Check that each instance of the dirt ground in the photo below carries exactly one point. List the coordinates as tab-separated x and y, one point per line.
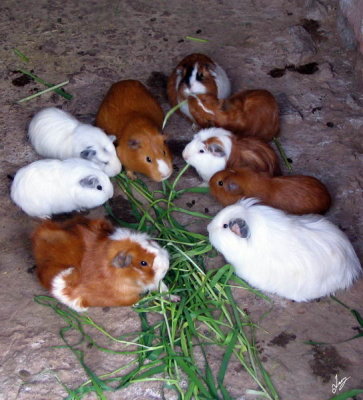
95	43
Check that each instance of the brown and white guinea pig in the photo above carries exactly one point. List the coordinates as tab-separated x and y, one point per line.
89	263
297	194
132	114
196	74
214	149
248	113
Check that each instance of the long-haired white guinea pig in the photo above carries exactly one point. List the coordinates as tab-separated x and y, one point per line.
214	149
55	133
47	187
297	257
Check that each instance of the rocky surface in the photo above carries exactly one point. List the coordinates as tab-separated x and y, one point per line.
95	43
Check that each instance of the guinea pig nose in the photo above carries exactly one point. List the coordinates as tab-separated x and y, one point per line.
239	227
99	187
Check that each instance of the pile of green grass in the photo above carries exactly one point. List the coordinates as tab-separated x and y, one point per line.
174	349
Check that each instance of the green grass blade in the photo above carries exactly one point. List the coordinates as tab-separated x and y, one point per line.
350	394
22	56
61	92
42	92
171	112
194	39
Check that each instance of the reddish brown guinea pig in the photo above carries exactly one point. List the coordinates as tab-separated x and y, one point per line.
86	263
131	113
248	113
196	74
297	194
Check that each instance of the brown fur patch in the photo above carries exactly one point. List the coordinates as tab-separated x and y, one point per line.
249	113
297	194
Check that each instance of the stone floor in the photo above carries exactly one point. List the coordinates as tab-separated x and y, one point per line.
95	43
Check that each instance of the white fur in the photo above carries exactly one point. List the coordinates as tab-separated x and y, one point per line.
222	82
47	187
196	87
58	285
297	257
57	134
206	163
164	169
202	106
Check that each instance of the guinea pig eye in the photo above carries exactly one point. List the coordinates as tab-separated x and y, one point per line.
106	162
200	76
143	263
148	159
225	226
201	151
220	183
99	187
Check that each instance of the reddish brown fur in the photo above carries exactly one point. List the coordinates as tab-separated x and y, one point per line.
204	64
248	113
84	245
297	194
255	154
131	113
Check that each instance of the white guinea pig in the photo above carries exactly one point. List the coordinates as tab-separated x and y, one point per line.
57	134
214	149
297	257
47	187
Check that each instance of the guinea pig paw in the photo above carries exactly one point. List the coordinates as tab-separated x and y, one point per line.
131	175
173	298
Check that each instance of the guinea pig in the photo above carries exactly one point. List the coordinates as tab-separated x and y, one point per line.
196	74
131	113
89	263
296	194
214	149
47	187
248	113
55	133
298	257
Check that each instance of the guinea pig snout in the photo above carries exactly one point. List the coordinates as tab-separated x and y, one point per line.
239	227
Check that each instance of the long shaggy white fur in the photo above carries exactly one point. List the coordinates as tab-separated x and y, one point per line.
297	257
47	187
57	134
58	285
197	155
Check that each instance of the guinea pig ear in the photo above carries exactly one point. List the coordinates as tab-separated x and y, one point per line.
112	138
239	227
233	187
90	181
134	144
88	154
216	150
122	260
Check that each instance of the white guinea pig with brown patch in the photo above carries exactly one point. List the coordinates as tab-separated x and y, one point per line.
55	133
196	74
215	149
131	113
298	257
89	263
47	187
248	113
